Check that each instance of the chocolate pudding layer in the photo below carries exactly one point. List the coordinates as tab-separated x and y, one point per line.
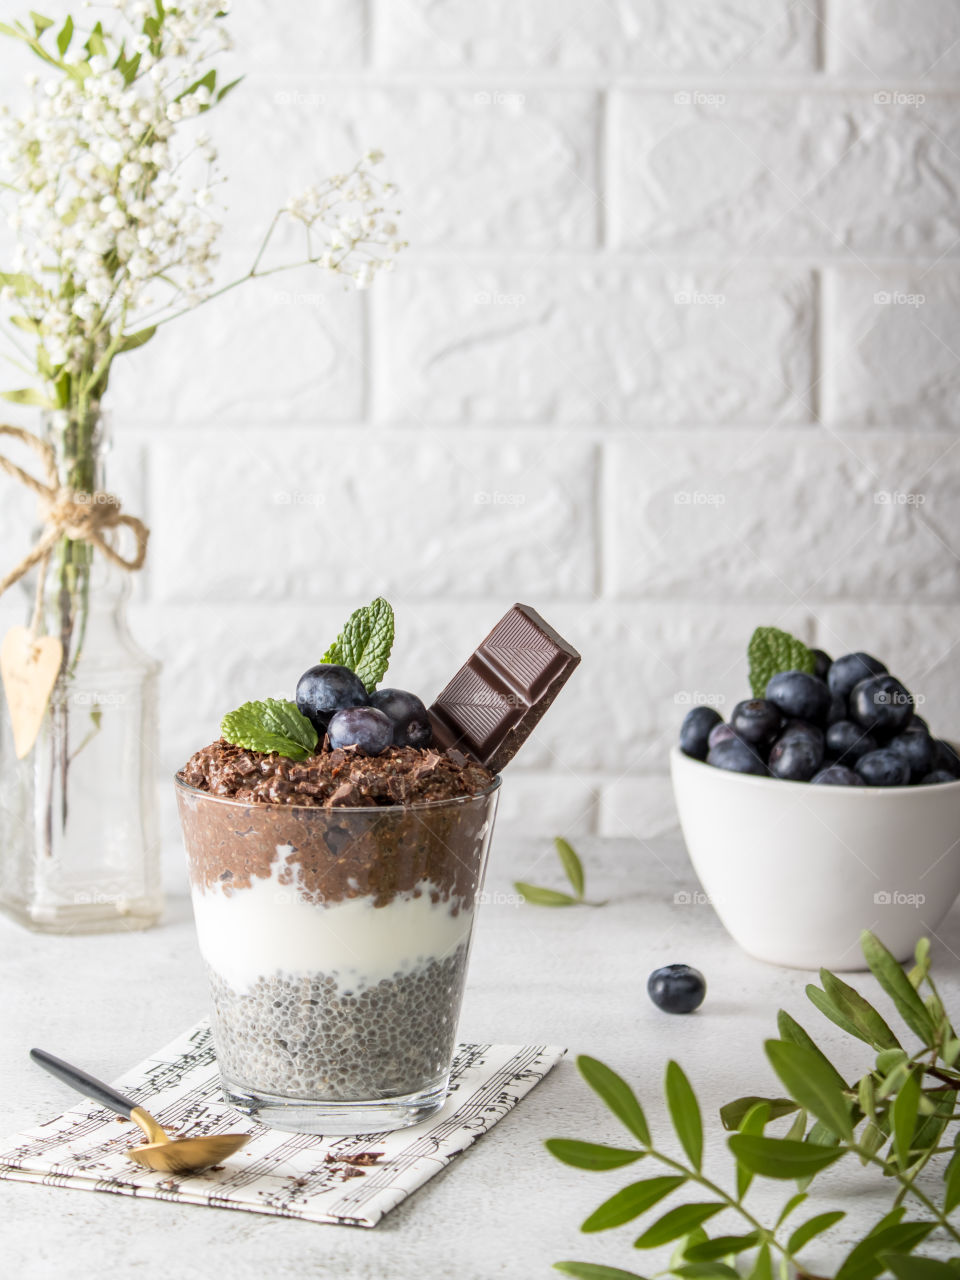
336	936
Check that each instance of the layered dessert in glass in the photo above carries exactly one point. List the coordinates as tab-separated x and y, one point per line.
334	901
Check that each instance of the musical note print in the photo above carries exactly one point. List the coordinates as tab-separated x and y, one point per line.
351	1180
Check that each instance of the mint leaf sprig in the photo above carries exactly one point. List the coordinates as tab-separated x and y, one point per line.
365	642
272	725
771	651
539	896
899	1117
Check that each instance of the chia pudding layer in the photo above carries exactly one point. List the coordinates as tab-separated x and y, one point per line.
334	903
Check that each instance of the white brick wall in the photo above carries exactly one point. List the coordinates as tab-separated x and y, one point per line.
674	351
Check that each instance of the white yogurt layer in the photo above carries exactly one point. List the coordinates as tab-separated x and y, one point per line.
254	932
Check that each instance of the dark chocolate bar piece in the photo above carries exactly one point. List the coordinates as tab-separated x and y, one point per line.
500	694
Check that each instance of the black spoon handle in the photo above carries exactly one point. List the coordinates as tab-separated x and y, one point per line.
83	1083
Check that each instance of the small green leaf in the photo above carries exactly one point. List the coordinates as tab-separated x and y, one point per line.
590	1155
540	897
870	1026
572	865
65	35
227	88
829	1010
951	1176
905	1267
812	1084
792	1031
676	1222
365	642
133	340
798	1129
905	1109
685	1113
950	1051
890	1058
897	985
595	1271
771	651
732	1114
40	23
863	1261
616	1094
792	1204
271	725
28	395
781	1157
21	284
631	1202
762	1268
26	324
813	1227
721	1247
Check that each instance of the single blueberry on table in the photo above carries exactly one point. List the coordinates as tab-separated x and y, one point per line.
800	695
363	727
756	720
719	733
917	748
883	769
936	776
822	663
850	670
407	714
847	742
737	756
837	775
947	759
803	729
695	731
677	988
795	757
881	705
327	688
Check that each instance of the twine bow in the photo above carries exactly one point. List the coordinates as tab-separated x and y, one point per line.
69	513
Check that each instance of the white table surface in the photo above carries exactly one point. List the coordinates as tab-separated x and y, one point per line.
505	1207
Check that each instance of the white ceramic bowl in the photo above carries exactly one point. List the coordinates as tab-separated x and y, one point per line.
796	872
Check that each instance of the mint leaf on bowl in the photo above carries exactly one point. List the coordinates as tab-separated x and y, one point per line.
272	725
771	651
365	642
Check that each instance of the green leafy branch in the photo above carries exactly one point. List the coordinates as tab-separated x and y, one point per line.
573	870
895	1118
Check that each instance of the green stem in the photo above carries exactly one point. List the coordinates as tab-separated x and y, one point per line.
908	1186
766	1236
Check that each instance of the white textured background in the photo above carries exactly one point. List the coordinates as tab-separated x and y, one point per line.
674	352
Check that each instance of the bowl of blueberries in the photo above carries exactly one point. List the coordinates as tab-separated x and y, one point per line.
823	808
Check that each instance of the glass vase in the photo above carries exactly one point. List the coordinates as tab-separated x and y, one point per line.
81	842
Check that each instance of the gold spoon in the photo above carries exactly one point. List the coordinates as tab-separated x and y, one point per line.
160	1151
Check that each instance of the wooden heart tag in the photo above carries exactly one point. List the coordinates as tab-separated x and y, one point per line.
29	667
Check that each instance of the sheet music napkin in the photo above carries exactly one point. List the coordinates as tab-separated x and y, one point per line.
292	1175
